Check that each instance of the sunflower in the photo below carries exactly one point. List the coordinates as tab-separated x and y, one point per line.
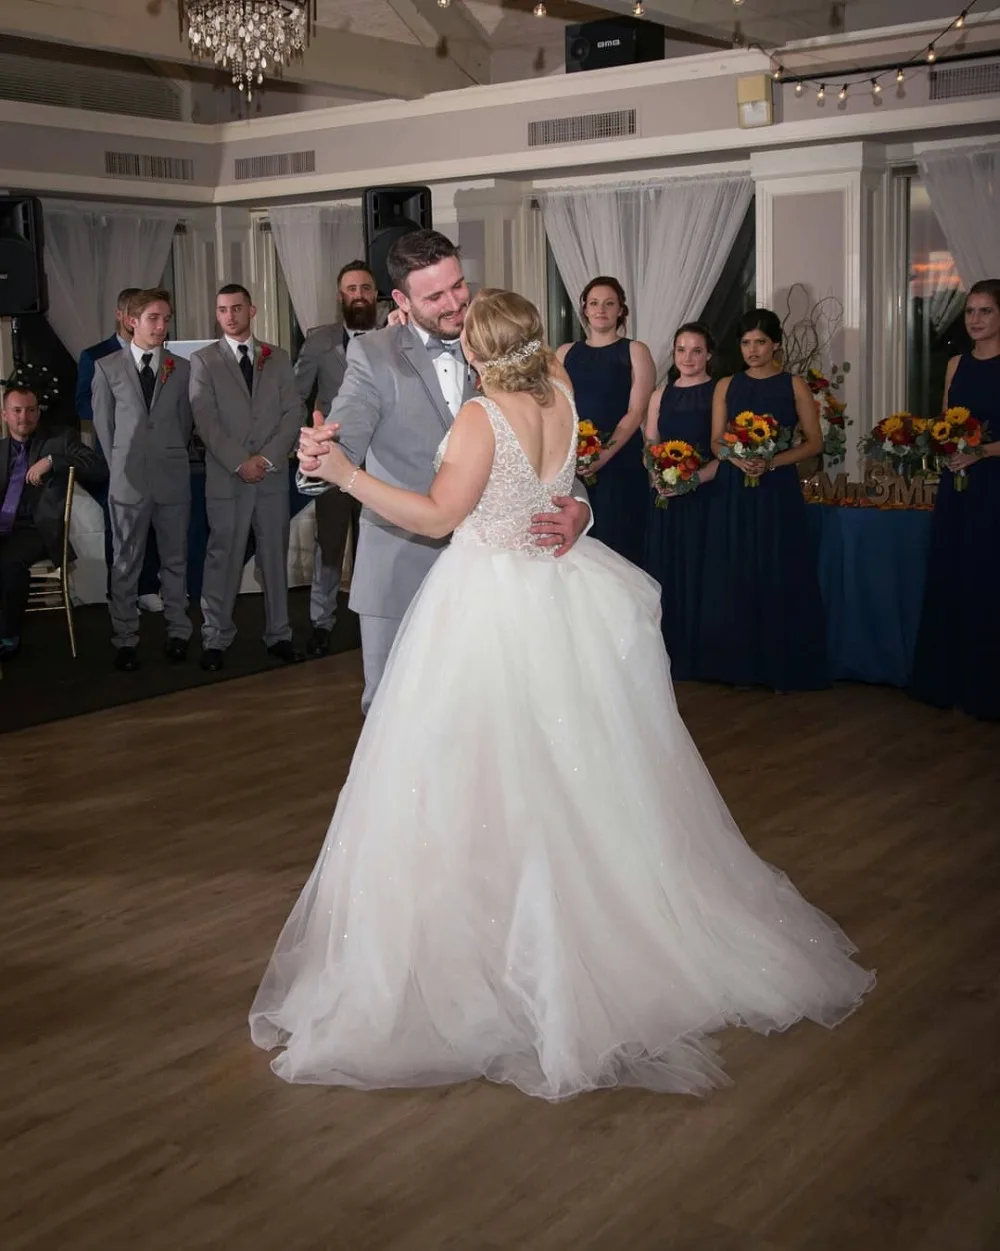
941	431
587	429
674	449
760	430
919	425
957	416
744	419
892	424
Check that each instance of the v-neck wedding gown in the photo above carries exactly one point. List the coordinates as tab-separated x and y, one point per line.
530	875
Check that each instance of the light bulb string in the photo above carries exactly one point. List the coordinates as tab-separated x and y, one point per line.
872	75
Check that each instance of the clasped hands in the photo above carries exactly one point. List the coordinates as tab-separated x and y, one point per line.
254	468
320	457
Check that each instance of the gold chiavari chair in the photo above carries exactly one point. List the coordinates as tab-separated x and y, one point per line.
49	589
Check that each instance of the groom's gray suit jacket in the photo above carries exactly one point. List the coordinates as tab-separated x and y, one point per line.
392	417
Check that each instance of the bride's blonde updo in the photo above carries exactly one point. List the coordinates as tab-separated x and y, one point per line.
505	335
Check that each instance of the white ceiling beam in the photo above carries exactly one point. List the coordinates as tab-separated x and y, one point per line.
455	34
335	58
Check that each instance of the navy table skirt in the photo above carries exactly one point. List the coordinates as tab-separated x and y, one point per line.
871	573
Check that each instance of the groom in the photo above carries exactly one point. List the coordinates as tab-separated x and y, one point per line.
400	394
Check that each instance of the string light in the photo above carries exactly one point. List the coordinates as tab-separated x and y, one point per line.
443	4
927	55
638	9
539	10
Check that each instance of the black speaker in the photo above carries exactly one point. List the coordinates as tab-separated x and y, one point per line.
391	212
612	41
22	279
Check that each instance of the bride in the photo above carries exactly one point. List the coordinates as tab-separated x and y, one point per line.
530	875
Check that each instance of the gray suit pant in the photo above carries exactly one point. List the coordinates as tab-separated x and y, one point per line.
229	525
377	637
129	531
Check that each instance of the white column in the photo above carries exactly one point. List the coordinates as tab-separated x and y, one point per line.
821	225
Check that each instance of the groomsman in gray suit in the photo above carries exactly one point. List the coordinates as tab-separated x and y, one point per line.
142	416
319	371
401	391
247	411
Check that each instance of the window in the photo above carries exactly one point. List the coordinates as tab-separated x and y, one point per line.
169	283
935	329
734	293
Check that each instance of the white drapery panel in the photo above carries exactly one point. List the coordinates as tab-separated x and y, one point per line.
944	291
666	243
91	252
964	190
313	241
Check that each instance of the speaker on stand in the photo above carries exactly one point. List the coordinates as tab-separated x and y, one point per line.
22	278
390	213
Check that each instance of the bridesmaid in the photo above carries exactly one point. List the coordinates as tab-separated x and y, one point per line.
613	378
957	659
675	537
762	616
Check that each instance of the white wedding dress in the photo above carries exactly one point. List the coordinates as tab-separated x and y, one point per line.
530	875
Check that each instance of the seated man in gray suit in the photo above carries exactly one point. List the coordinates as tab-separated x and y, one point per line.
319	371
400	394
248	412
143	420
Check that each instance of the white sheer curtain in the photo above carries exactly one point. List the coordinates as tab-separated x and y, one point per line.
93	251
313	241
944	290
666	242
964	190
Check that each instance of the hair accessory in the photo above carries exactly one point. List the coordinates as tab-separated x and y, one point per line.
516	357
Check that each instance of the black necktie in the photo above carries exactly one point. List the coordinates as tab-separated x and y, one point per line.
147	380
348	337
246	366
453	347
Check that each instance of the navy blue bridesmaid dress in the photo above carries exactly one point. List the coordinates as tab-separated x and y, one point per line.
956	663
762	618
602	384
675	535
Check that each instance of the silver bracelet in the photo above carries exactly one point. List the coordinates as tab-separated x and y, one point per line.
350	482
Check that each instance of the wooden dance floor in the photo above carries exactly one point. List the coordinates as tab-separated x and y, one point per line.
151	853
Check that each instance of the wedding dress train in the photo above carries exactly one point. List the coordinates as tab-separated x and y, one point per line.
530	875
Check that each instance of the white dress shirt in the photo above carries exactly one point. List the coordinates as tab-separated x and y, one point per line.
450	374
235	346
138	353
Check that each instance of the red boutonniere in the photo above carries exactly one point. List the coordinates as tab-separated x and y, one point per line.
166	369
265	352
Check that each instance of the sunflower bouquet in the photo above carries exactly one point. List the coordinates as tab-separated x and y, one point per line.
673	469
956	432
753	436
901	441
589	446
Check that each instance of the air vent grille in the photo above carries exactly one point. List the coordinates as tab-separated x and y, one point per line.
37	80
954	82
585	128
280	165
148	168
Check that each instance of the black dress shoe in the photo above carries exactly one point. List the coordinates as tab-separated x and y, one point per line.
285	652
126	659
176	649
318	643
212	659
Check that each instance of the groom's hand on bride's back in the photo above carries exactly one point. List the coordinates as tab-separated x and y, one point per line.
561	529
315	440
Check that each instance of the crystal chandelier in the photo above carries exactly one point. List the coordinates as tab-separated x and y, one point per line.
249	38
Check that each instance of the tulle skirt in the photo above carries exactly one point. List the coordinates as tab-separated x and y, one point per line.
530	875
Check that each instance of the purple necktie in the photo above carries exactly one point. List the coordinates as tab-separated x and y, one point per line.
15	485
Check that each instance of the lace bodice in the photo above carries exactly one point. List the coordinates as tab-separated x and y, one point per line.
513	492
